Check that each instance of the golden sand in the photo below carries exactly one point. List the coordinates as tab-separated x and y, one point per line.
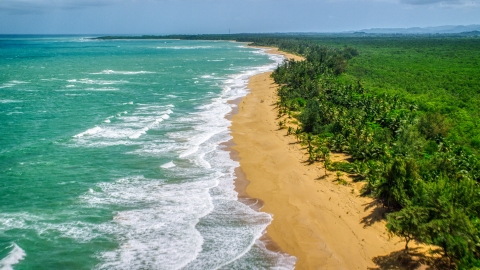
324	224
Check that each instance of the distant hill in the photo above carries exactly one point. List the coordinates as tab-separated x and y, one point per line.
445	29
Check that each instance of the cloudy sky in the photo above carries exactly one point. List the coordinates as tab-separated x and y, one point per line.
218	16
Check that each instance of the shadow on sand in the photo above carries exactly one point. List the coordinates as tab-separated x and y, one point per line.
414	259
376	215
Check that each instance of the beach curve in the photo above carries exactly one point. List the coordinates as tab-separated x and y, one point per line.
323	224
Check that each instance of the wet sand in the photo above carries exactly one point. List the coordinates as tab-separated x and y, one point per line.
324	224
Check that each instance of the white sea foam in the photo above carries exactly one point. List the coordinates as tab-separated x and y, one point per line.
125	127
102	89
196	221
15	112
18	82
15	256
6	85
9	101
89	132
144	130
12	84
281	261
168	165
211	115
155	148
160	212
108	71
232	229
185	47
97	82
80	231
14	221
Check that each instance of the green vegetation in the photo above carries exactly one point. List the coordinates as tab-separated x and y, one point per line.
401	147
405	108
440	74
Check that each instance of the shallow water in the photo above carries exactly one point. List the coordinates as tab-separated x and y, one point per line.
111	155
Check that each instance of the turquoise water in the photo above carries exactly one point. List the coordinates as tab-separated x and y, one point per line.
111	155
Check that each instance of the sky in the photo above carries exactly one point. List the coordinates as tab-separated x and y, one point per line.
220	16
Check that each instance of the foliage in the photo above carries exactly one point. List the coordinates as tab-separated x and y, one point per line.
406	154
408	223
406	109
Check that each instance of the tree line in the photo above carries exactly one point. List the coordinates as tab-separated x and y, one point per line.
413	159
429	184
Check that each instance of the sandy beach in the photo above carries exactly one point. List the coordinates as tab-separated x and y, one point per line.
324	224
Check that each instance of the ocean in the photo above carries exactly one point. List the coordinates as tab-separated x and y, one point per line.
112	155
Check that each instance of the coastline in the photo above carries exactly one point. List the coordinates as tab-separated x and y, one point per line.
273	50
323	224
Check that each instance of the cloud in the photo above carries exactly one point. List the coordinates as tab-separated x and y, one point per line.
40	6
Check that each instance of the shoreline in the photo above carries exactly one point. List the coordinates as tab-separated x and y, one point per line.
318	221
241	182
